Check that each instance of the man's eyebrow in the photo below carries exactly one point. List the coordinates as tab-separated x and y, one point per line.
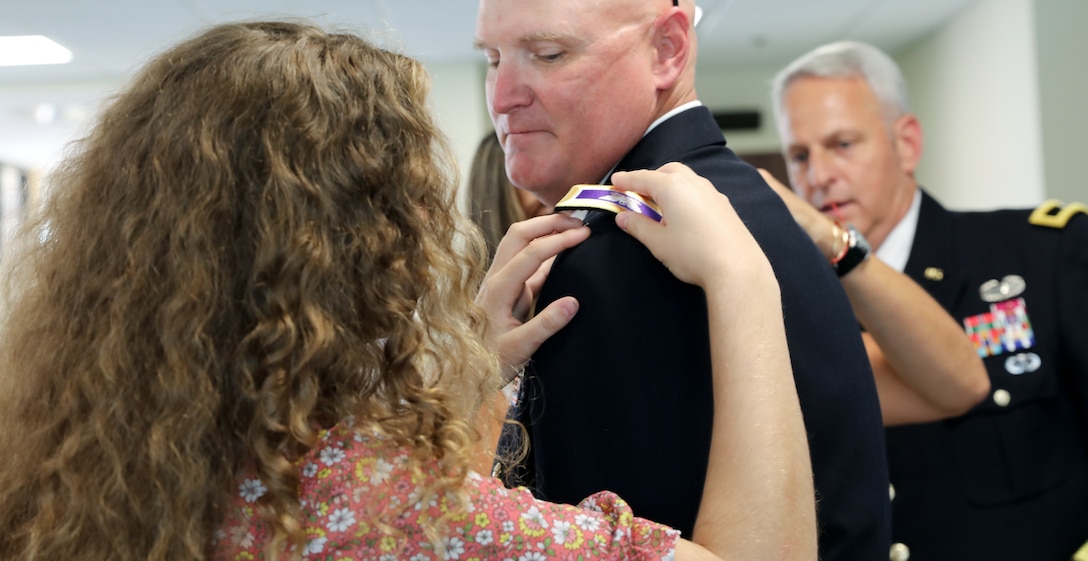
543	36
480	44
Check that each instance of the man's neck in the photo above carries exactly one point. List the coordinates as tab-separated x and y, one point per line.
671	113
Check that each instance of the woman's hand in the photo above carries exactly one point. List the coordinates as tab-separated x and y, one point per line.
700	239
510	288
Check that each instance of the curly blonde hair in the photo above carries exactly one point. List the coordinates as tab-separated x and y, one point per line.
256	240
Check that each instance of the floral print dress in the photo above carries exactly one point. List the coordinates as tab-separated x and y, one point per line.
349	480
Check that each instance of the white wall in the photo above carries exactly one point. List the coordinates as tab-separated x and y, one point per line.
974	87
457	100
1063	80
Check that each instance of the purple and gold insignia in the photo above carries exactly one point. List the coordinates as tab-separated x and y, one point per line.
1005	328
607	197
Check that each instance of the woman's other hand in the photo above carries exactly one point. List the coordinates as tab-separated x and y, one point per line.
510	288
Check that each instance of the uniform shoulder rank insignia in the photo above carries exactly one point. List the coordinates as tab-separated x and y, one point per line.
1082	553
1053	214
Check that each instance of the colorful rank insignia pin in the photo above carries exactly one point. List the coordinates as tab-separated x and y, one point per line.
1005	328
607	197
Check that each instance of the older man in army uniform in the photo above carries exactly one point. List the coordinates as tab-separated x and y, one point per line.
1008	479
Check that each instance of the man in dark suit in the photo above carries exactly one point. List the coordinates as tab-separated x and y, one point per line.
620	399
1009	478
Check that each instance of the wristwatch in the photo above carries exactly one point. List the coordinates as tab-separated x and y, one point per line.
857	250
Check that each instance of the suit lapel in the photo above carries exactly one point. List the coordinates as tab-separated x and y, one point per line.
932	263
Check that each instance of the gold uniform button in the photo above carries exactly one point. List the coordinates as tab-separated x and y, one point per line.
899	552
891	492
1002	398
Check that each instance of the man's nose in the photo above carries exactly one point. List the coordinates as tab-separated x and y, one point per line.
821	171
508	88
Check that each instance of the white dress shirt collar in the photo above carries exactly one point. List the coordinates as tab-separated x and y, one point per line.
895	251
674	111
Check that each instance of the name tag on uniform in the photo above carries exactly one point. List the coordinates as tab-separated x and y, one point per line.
607	197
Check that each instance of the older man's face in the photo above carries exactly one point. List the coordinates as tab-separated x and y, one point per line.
843	155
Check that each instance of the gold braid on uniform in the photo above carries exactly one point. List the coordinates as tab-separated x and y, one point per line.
1053	214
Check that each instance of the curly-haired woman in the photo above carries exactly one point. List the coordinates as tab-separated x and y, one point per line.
251	323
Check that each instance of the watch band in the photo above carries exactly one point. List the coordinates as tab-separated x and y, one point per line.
857	250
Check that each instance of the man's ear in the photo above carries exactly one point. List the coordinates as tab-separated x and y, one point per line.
673	43
908	142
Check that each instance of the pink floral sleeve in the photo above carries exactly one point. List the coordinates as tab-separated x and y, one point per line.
350	481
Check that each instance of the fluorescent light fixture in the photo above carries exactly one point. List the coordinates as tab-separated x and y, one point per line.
25	50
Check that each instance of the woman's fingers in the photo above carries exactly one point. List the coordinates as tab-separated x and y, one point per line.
519	343
519	277
522	262
522	234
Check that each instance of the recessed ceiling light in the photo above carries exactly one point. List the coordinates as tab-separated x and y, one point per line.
24	50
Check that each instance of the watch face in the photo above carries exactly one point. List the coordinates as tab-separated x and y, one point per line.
857	250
